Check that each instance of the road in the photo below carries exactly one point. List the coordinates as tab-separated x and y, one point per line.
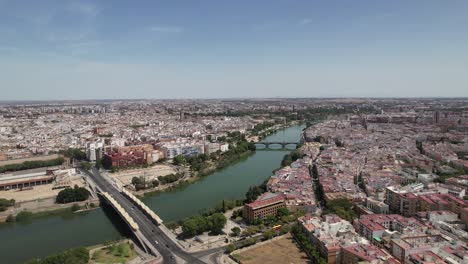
165	245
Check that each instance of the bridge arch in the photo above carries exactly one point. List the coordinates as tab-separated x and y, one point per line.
263	145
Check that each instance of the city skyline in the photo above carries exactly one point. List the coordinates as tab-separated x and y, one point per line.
62	50
210	181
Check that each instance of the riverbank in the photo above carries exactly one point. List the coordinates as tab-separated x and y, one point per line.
195	177
121	251
255	137
56	209
211	164
102	225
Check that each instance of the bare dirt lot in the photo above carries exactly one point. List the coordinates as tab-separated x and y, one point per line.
282	251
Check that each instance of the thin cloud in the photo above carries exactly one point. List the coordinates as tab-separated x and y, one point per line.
85	9
9	49
66	36
305	21
166	29
270	25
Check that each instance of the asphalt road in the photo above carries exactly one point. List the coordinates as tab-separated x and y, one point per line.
165	245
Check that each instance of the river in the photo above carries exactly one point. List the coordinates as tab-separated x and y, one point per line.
51	234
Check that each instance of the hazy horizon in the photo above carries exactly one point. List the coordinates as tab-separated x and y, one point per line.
116	50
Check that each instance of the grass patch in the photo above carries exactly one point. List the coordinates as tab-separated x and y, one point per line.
117	253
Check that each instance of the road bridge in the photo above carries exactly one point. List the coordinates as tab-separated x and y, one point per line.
144	223
269	145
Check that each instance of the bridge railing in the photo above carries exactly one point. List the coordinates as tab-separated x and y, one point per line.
121	211
143	206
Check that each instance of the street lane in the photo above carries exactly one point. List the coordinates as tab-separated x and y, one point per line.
165	245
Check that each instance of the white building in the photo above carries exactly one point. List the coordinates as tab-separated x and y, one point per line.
94	150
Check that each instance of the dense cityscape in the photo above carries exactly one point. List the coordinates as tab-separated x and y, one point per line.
233	132
364	180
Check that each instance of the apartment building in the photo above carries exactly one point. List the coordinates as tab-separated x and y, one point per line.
267	204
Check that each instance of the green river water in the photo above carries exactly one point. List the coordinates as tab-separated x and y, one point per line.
51	234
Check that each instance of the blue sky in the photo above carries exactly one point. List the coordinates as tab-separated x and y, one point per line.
218	49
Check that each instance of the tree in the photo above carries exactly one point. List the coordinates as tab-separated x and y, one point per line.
155	183
179	160
318	139
31	165
213	156
86	165
75	153
203	157
254	192
249	242
75	207
230	248
270	220
307	245
172	225
24	216
250	230
419	146
285	229
194	225
339	143
69	195
75	255
343	208
169	178
217	222
269	234
236	231
136	180
10	218
99	163
282	212
5	203
139	183
190	228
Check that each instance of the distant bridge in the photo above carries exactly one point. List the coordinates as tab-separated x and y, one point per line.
270	145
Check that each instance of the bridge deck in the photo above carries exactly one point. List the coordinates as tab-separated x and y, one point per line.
144	224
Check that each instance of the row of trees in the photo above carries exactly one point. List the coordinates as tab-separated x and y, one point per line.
255	191
5	203
222	207
300	114
75	255
238	146
170	178
306	245
291	157
341	207
31	165
140	183
199	162
268	234
196	225
22	217
75	194
74	153
262	126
